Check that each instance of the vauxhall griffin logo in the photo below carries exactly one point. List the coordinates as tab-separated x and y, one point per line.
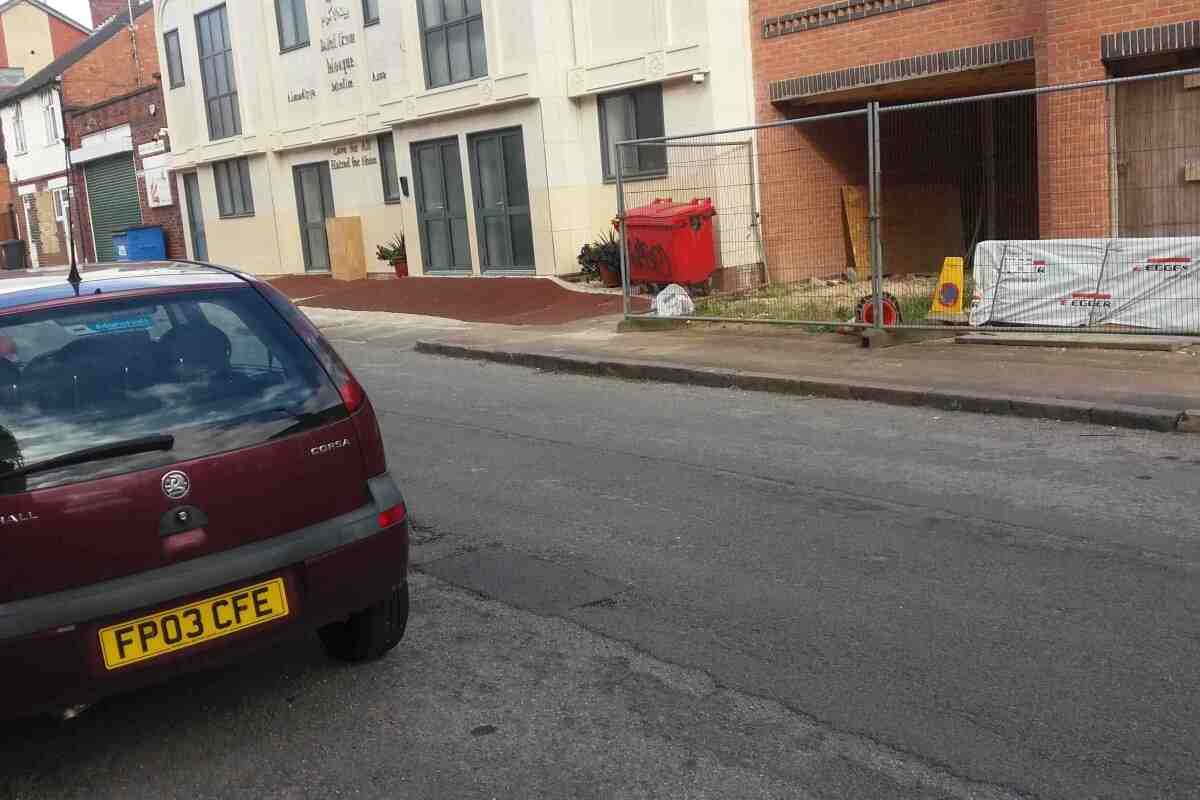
175	485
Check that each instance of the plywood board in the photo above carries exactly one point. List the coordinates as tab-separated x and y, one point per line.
854	203
347	258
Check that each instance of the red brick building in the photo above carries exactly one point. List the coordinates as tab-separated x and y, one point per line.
32	34
109	95
1103	161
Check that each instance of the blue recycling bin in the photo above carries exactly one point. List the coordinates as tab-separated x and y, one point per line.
145	243
121	246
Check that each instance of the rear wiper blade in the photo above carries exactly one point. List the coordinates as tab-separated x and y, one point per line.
304	420
127	447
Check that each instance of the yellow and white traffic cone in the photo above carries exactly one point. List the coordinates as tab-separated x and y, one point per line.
948	294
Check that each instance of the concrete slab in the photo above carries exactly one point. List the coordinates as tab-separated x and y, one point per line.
1088	341
523	581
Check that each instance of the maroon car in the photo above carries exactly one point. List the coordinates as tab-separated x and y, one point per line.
188	472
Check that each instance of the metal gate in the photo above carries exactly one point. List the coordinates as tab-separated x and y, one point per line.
1060	208
113	200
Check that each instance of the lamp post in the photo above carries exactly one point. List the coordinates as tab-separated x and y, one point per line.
73	226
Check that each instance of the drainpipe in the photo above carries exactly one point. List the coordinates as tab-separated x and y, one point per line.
137	61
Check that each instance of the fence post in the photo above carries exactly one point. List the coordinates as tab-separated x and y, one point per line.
621	233
873	215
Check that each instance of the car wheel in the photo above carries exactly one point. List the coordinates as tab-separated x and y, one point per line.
370	633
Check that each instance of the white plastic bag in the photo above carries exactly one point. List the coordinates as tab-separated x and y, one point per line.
674	301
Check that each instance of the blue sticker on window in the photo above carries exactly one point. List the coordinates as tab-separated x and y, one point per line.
140	323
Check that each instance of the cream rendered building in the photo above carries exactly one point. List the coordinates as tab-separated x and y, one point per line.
476	128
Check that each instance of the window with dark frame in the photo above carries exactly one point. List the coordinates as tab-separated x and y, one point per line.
291	16
370	12
216	74
235	198
452	41
387	168
632	114
174	59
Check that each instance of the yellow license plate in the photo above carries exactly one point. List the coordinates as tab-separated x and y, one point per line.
202	621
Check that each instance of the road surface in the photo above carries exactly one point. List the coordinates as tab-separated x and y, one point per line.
639	590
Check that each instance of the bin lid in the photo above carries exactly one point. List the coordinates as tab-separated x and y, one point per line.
669	214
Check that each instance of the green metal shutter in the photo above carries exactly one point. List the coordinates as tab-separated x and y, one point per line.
113	198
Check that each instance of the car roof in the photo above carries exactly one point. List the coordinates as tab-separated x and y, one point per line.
24	288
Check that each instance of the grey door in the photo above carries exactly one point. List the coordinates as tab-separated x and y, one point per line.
314	202
191	192
441	206
501	201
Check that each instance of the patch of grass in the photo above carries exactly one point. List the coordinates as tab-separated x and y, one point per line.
817	300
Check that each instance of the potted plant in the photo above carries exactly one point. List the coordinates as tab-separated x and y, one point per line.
601	259
394	253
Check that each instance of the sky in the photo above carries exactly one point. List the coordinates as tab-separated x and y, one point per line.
75	9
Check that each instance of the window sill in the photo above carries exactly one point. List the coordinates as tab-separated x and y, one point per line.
235	216
638	177
294	47
175	86
442	86
393	201
370	23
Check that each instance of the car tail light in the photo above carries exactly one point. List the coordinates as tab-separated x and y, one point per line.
352	393
392	516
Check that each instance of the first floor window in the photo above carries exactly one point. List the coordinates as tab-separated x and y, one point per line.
215	50
633	114
387	168
50	113
453	43
174	59
370	12
19	144
293	24
234	195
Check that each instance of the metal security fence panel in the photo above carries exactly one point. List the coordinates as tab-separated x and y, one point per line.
779	254
1071	209
1063	208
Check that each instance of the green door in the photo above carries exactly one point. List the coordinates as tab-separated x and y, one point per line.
314	202
441	206
501	190
113	200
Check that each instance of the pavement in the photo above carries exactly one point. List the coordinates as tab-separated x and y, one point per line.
511	301
1140	388
659	590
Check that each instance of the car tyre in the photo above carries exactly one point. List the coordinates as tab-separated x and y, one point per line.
370	633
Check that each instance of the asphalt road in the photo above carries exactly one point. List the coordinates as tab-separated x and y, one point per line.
634	590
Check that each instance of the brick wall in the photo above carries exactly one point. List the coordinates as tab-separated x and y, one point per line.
122	64
1073	142
104	9
134	109
63	37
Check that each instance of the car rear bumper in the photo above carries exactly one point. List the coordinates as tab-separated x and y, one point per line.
49	653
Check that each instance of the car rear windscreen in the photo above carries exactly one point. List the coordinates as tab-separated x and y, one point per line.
215	370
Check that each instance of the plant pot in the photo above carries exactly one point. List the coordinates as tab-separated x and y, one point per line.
610	276
401	267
